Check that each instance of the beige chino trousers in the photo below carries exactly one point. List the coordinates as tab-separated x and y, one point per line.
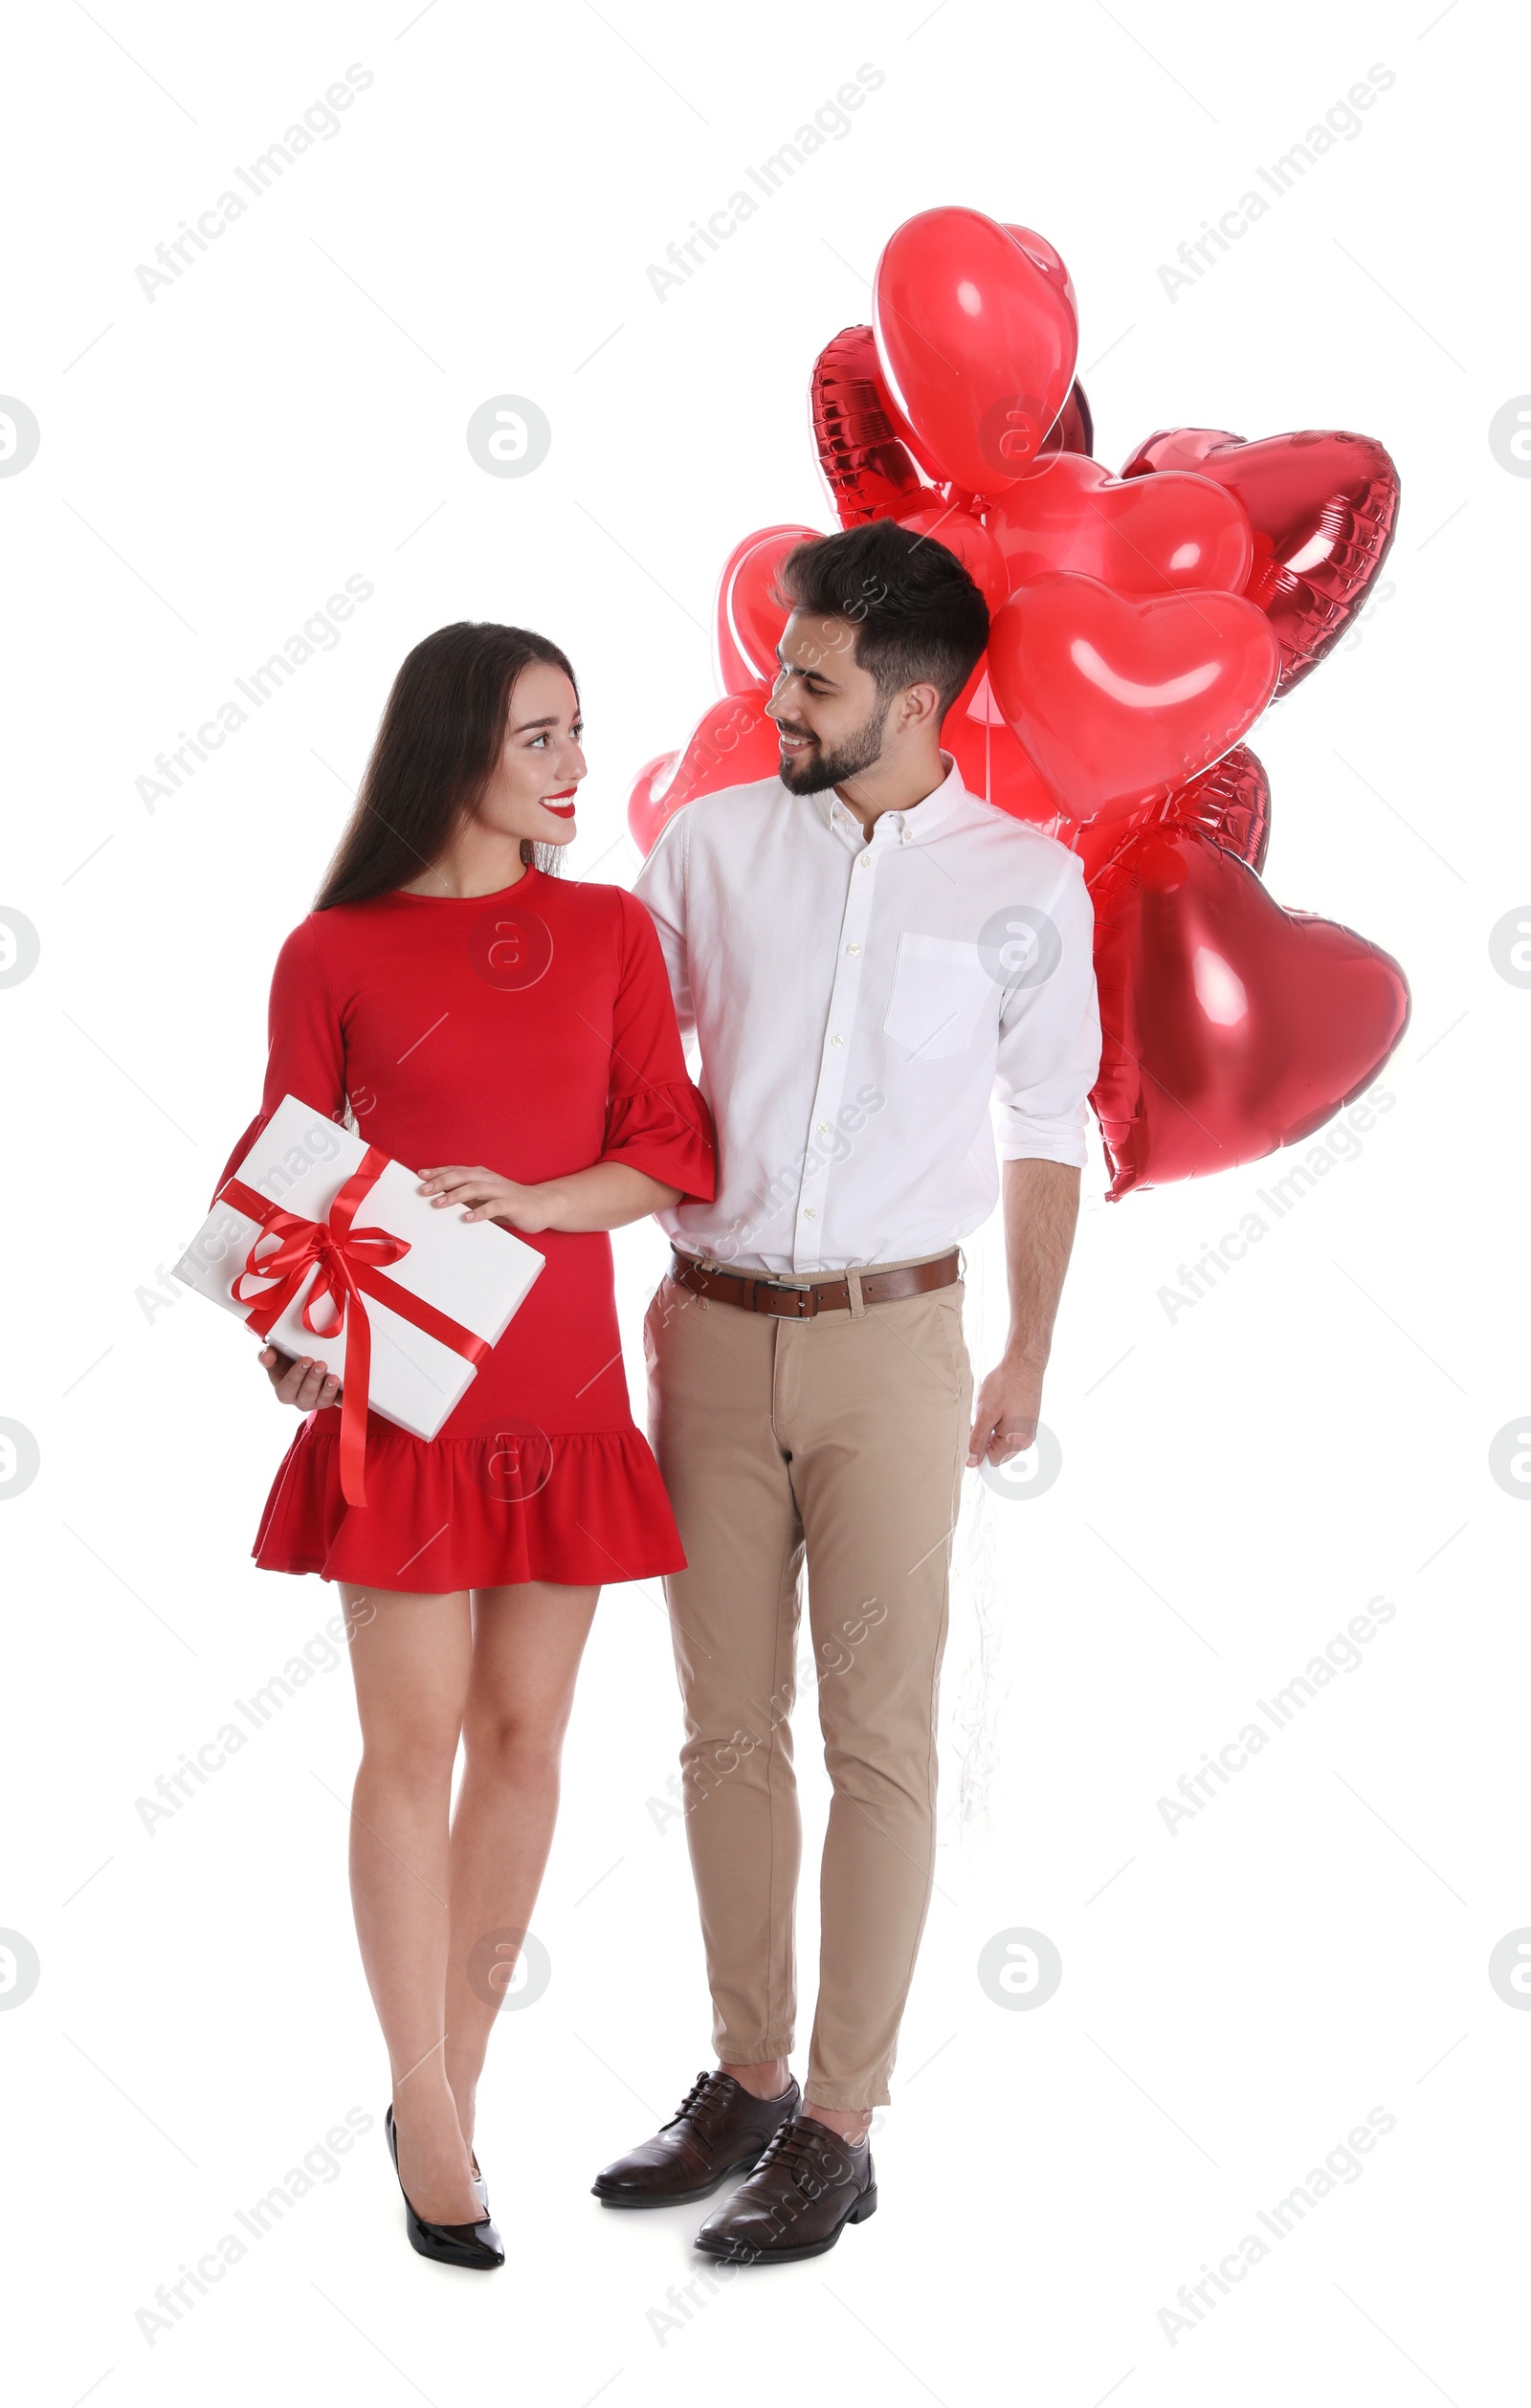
840	1440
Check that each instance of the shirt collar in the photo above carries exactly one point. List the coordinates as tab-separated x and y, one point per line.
915	824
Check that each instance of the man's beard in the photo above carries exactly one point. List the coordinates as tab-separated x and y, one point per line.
809	773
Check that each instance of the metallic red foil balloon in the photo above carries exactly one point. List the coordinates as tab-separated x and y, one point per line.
747	623
1119	701
1324	507
732	745
1229	1025
1229	804
976	341
868	470
1141	535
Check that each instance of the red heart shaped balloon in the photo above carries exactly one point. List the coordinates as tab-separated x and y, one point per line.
732	745
969	540
1143	535
1324	507
864	444
1230	1026
1177	448
646	811
746	622
1048	259
1118	702
865	466
977	343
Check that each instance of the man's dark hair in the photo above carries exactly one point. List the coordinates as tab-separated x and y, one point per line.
918	618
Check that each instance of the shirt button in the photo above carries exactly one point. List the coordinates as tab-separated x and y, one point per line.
836	1041
810	1212
823	1129
853	948
865	862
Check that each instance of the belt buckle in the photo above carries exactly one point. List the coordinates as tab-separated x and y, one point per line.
804	1302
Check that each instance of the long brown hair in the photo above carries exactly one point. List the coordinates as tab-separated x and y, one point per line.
436	747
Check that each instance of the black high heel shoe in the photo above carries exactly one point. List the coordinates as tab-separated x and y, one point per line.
476	2245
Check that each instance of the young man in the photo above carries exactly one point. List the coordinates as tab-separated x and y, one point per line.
865	954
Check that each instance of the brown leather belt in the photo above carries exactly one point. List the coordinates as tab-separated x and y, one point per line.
756	1293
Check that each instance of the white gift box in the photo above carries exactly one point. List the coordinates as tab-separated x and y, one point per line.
472	1270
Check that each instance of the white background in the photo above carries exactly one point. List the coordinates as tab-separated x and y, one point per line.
1237	1482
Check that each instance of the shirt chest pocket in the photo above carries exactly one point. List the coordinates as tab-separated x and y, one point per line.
940	990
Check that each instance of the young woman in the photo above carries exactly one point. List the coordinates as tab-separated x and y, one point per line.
465	1007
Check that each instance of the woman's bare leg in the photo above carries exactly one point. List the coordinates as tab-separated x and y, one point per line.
527	1641
411	1658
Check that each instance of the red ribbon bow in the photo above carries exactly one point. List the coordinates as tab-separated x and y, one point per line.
350	1268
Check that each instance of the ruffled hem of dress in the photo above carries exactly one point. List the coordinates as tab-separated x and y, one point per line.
581	1508
665	1130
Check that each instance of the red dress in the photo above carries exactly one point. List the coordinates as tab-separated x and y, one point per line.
531	1031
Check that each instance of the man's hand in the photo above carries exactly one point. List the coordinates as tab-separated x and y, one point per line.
485	1196
1005	1412
301	1381
1041	1206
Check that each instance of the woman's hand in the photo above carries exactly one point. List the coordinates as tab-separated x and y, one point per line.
485	1196
303	1381
605	1196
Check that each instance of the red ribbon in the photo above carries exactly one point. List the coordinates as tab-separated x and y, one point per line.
349	1267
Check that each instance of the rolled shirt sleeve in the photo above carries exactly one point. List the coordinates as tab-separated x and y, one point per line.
1049	1034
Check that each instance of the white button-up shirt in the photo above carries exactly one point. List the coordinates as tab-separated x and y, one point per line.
857	1002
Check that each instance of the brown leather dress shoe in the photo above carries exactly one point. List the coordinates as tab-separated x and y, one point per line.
719	2128
807	2188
